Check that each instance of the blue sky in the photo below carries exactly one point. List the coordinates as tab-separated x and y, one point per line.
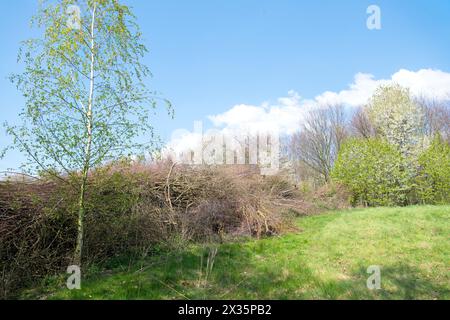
210	55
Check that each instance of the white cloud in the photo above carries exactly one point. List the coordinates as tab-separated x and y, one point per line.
358	93
431	84
283	116
286	115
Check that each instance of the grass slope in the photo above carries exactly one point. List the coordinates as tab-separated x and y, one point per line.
328	259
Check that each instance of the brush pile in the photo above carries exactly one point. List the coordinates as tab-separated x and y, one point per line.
130	210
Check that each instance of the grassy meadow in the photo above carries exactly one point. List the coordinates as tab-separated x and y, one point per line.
326	258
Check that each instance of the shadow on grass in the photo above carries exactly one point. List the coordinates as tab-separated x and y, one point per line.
399	282
249	271
177	275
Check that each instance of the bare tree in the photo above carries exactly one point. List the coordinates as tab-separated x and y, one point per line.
361	126
436	117
317	143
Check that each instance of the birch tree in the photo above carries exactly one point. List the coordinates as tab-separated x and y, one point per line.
86	101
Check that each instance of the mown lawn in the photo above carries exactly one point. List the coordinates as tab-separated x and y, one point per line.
327	259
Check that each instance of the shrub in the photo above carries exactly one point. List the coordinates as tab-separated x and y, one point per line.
433	180
332	196
374	171
35	240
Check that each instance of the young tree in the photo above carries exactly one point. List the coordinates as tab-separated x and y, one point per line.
86	99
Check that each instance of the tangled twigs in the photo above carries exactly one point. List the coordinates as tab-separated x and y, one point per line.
168	198
131	209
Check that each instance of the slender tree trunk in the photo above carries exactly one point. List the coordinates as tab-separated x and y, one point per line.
81	214
85	174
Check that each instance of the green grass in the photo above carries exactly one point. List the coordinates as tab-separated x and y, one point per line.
327	259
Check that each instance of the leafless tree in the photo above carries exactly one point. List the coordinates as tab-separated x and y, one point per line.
361	126
437	117
317	143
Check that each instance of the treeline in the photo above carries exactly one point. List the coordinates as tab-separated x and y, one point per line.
393	151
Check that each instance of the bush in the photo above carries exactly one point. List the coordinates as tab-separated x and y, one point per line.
433	181
35	240
375	172
332	196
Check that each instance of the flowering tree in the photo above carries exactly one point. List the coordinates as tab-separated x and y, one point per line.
397	117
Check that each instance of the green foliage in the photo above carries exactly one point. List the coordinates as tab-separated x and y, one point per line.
433	181
374	171
86	99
